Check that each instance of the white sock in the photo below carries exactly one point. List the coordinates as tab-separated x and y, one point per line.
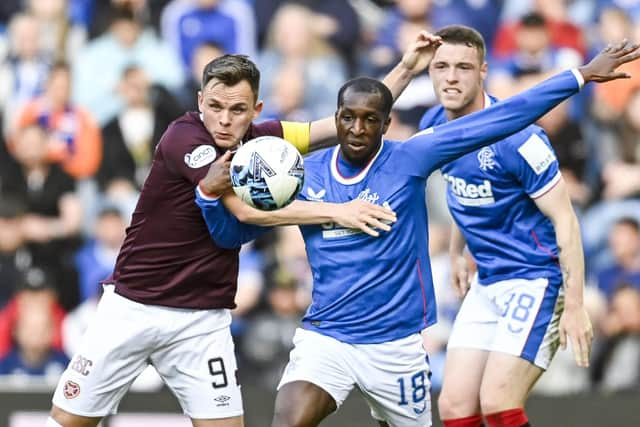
52	423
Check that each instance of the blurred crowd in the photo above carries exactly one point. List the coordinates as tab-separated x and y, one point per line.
88	86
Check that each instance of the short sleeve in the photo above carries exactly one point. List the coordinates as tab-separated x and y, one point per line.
533	161
187	151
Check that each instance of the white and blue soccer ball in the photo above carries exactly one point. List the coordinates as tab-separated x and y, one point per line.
267	173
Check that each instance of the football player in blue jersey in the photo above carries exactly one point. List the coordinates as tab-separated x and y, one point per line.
511	208
372	296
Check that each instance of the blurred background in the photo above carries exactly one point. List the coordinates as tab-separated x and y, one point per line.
88	86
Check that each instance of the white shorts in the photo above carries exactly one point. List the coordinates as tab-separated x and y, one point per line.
517	316
393	377
192	350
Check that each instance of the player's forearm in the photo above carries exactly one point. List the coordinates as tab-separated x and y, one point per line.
225	229
571	259
322	133
298	212
456	242
398	79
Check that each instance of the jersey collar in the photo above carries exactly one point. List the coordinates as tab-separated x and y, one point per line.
357	177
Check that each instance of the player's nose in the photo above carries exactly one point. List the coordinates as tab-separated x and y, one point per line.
224	118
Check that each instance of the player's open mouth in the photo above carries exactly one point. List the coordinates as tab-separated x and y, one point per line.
356	146
451	90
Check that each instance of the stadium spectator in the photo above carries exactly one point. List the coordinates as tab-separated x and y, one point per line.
533	59
484	16
131	136
35	292
335	21
230	24
34	355
203	54
609	102
12	252
60	36
562	33
399	28
74	136
624	245
53	213
127	42
96	259
24	71
295	59
616	364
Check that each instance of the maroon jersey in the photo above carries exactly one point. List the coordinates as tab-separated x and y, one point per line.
168	257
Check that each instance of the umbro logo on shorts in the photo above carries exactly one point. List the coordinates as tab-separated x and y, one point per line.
71	390
222	400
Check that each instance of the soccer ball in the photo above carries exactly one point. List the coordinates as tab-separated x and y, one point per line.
267	173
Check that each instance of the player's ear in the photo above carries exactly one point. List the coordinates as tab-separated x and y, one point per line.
200	101
484	69
387	122
257	109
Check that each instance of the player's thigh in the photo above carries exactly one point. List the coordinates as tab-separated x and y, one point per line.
221	422
201	370
113	352
394	379
321	361
67	419
506	383
463	372
302	404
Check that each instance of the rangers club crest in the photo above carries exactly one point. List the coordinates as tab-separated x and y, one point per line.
485	157
71	390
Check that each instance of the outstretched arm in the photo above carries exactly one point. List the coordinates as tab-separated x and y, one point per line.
442	144
357	214
414	61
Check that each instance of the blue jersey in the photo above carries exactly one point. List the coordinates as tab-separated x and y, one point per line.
490	195
367	289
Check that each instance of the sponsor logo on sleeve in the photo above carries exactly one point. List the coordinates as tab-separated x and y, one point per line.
537	154
200	156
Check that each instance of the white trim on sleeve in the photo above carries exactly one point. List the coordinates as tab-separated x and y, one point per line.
548	186
204	196
579	77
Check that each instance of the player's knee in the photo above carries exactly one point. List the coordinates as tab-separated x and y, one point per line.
65	419
450	405
492	402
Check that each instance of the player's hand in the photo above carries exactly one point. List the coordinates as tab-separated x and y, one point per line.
460	275
364	216
419	53
602	68
575	324
218	181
